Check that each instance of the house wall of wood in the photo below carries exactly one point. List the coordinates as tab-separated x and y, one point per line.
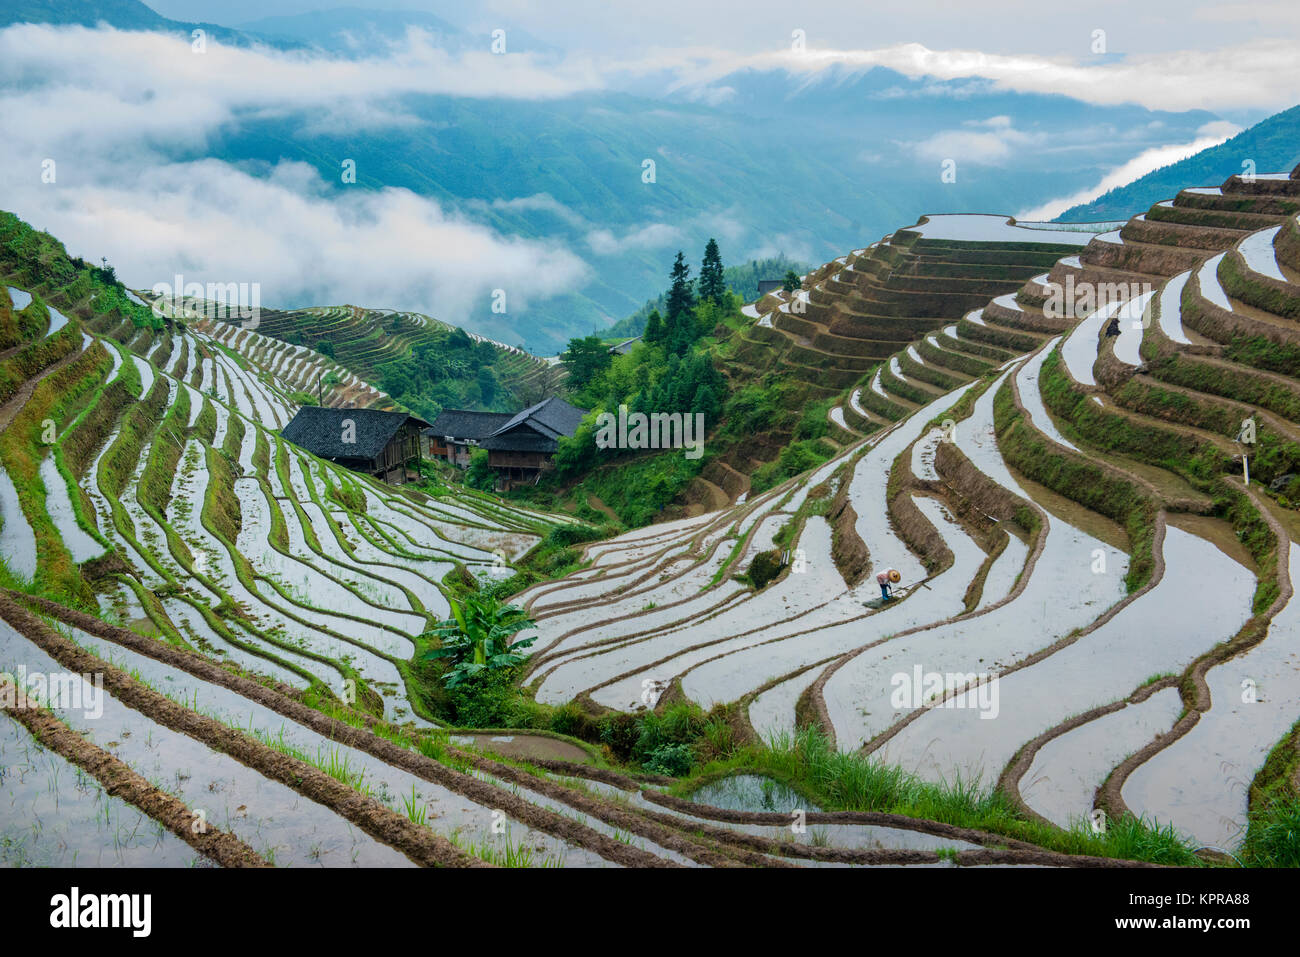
402	451
518	460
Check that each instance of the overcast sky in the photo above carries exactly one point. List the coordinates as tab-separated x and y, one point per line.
1237	59
125	115
1044	27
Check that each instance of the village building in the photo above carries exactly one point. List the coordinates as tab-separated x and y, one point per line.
385	445
455	433
519	446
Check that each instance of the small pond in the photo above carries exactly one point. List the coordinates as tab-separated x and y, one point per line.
752	792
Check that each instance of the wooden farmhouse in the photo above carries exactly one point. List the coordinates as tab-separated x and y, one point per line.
385	445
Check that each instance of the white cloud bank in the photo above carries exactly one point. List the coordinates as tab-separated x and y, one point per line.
603	242
1263	74
1145	162
987	142
122	114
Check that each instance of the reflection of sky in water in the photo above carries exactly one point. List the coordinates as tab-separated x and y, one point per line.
54	815
752	792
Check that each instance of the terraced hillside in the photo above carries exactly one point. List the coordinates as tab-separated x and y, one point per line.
284	371
860	309
854	313
364	341
147	469
256	620
276	782
1097	611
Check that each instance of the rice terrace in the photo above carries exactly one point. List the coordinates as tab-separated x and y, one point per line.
948	520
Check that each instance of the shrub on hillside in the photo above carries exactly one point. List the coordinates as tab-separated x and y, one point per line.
794	458
488	700
813	424
764	567
557	563
565	535
674	760
479	475
569	719
349	496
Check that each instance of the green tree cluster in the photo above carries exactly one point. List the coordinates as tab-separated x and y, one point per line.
671	370
742	280
445	370
584	360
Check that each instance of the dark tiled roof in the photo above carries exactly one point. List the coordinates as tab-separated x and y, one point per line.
623	348
321	431
537	428
467	425
551	417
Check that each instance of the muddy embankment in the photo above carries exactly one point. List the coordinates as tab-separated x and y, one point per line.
999	849
417	842
430	847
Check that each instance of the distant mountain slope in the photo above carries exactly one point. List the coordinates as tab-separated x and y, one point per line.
122	14
356	31
348	29
1273	145
768	161
570	171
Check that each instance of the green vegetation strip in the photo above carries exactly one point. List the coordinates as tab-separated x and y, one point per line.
1077	478
836	781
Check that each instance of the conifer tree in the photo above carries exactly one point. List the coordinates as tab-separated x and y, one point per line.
654	329
681	300
712	286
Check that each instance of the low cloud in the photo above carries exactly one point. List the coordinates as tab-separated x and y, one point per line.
143	66
603	242
1263	74
1145	162
385	248
969	146
537	203
1218	129
992	123
122	115
783	244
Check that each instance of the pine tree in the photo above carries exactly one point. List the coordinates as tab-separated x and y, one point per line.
712	285
654	329
680	298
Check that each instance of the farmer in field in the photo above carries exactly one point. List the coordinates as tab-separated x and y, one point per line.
887	580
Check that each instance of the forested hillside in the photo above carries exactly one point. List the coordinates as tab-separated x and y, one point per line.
1269	147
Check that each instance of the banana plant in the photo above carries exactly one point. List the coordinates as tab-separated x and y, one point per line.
478	638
